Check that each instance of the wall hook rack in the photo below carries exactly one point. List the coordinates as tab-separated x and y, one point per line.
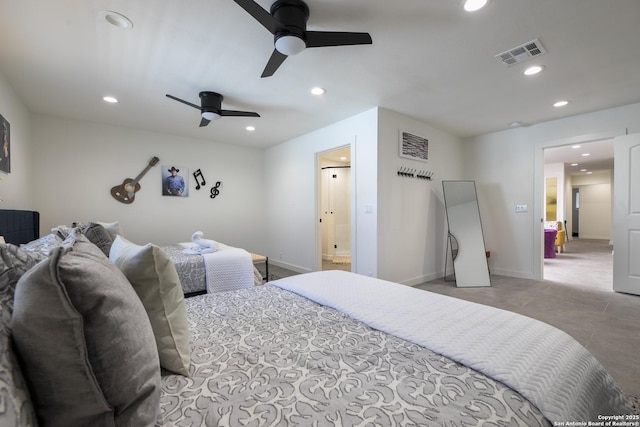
406	172
414	173
424	175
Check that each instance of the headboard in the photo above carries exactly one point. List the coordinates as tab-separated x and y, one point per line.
19	226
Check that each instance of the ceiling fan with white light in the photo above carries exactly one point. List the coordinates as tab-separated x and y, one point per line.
287	21
211	108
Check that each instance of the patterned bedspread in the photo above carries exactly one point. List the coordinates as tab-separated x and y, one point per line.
190	269
264	356
546	365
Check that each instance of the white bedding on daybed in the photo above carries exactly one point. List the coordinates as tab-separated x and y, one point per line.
228	268
542	363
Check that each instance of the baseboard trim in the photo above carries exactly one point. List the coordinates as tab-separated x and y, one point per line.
420	279
512	273
288	266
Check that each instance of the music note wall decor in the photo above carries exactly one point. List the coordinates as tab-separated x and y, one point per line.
214	190
197	175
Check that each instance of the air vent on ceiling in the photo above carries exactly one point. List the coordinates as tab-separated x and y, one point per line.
522	53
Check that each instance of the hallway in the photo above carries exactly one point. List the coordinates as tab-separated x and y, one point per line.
584	262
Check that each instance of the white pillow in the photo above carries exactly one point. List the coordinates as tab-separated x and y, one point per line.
156	281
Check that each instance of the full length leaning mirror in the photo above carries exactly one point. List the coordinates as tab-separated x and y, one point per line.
465	230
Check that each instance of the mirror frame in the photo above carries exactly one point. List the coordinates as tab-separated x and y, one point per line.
470	264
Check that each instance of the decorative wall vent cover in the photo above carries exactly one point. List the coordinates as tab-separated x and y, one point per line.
522	53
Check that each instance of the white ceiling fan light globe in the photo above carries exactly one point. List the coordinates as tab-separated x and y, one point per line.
210	115
290	45
474	5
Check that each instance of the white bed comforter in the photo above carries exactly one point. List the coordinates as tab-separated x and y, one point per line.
541	362
228	269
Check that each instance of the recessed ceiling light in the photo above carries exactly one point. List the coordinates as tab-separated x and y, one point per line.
250	128
117	19
583	170
473	5
589	173
560	103
576	146
533	70
318	91
515	124
110	99
586	154
574	164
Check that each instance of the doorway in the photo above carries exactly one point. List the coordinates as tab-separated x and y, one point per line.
575	212
584	171
335	209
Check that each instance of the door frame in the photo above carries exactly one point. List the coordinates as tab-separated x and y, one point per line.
352	190
538	190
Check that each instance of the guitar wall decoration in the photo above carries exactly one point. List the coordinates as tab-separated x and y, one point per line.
126	192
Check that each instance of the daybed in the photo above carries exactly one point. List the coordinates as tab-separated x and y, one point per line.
206	267
112	341
227	268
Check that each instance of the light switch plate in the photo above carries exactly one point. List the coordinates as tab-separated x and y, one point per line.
522	208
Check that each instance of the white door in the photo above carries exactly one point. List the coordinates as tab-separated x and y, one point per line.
626	214
326	218
341	207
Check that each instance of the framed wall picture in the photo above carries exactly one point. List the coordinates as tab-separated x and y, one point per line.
5	145
413	146
175	181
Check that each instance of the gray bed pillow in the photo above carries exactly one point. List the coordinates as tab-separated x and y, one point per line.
99	236
16	408
85	342
155	280
113	228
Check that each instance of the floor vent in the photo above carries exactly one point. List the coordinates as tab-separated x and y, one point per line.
522	53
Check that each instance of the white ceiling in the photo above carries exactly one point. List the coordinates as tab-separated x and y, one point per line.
591	157
429	60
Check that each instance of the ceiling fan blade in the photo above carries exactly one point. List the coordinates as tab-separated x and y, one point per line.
183	101
275	61
238	113
204	122
336	38
261	15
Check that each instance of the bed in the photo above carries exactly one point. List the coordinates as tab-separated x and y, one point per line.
337	348
325	348
19	226
228	268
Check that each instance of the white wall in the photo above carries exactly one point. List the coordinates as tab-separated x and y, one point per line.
76	163
505	165
65	169
403	237
502	165
15	187
595	211
411	218
291	211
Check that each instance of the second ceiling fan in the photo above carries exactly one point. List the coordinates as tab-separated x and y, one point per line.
211	107
287	21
